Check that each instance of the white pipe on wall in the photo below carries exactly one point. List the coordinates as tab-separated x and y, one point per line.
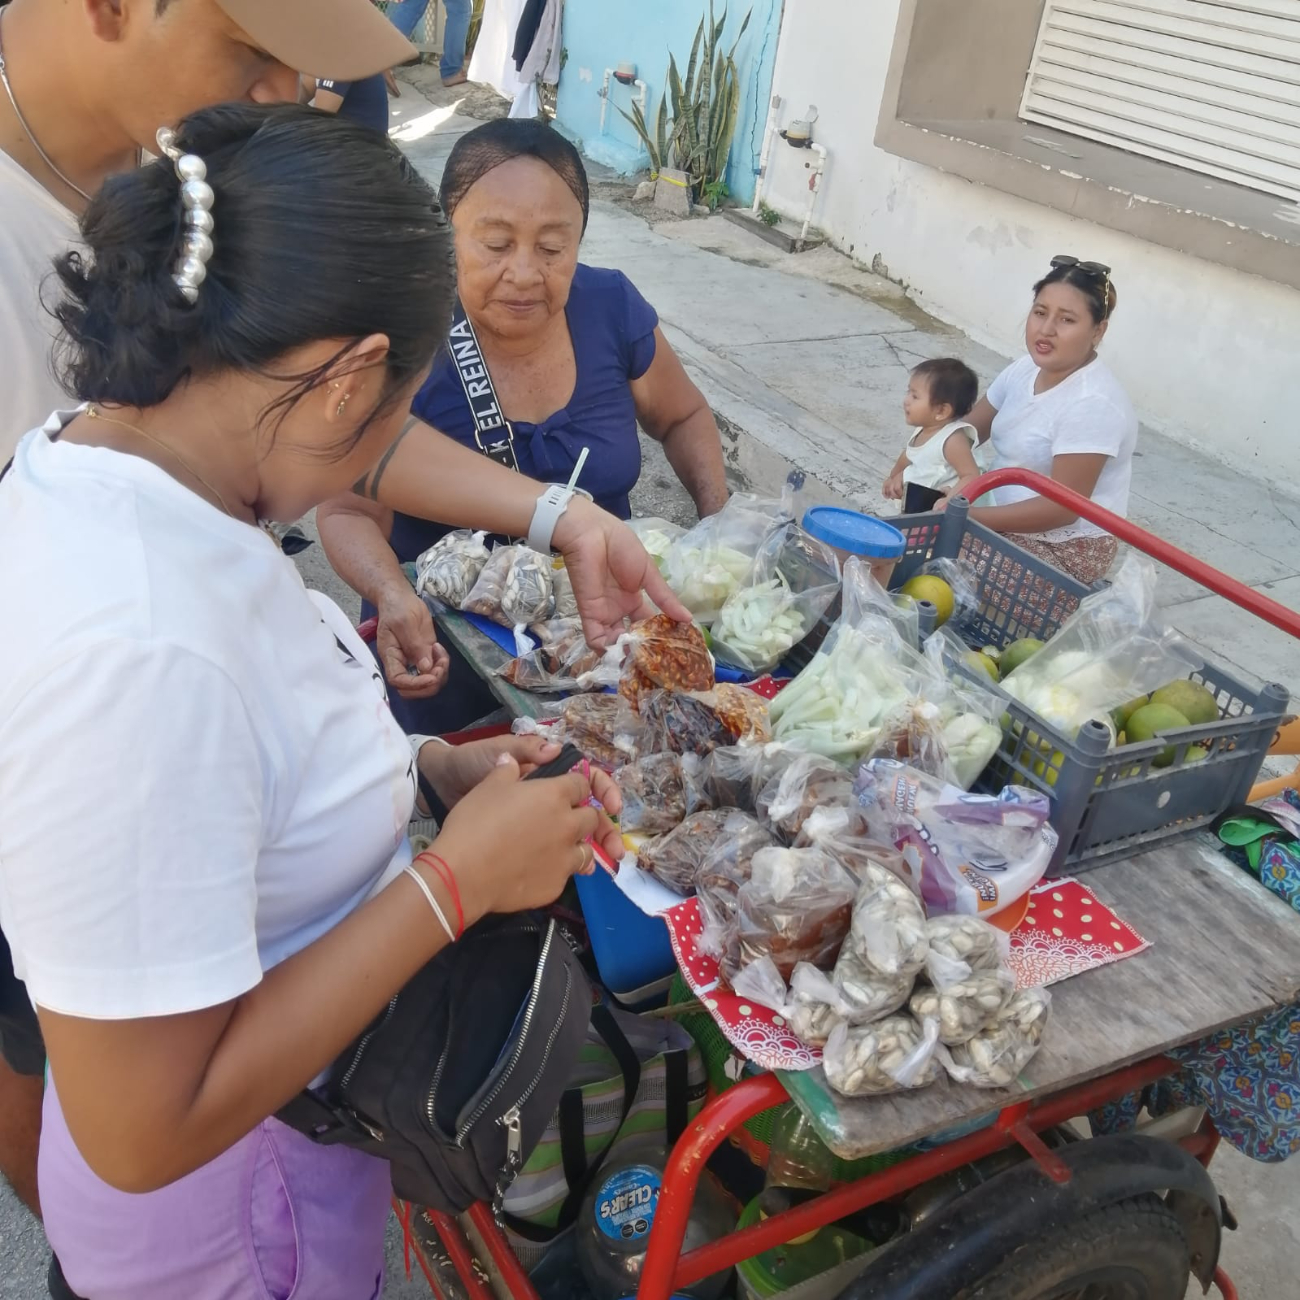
773	109
641	96
814	186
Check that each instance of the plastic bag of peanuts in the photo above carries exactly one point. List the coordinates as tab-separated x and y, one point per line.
892	1055
967	982
995	1057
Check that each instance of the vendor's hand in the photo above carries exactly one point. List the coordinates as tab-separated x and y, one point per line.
893	488
405	639
454	770
513	844
942	504
611	572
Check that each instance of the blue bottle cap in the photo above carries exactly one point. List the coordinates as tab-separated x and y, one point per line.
860	534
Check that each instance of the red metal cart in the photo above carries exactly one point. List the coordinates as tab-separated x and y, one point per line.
1050	1181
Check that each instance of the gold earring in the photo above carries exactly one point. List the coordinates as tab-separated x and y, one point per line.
343	401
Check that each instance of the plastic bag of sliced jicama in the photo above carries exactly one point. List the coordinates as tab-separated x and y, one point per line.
710	561
789	586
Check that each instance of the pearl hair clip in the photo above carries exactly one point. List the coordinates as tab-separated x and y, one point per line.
191	266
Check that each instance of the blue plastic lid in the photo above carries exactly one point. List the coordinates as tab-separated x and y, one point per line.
858	533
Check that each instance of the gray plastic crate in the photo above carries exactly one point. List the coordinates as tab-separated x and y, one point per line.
1018	594
1106	803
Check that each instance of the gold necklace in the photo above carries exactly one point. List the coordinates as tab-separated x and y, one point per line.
94	413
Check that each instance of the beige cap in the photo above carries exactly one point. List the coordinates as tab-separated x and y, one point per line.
340	40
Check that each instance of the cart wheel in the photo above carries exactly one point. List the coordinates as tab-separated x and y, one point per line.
1134	1250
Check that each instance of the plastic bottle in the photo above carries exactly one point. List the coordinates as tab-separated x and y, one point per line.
799	1157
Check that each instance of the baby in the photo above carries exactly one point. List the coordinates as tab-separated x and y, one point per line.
938	460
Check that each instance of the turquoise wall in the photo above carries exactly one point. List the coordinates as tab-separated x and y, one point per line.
600	34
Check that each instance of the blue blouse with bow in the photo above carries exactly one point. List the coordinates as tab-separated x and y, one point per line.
612	329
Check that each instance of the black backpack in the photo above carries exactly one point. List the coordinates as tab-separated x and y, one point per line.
455	1082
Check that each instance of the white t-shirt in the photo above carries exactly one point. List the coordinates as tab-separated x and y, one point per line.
199	771
927	466
1087	413
34	229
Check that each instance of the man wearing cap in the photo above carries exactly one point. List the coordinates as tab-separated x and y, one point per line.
84	86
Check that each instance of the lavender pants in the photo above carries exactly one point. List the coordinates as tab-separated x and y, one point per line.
273	1218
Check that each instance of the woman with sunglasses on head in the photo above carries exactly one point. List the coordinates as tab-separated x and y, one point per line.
1059	411
245	322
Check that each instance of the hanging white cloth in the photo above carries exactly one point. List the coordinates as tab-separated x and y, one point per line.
493	62
543	61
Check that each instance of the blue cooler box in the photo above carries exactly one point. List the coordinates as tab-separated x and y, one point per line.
632	950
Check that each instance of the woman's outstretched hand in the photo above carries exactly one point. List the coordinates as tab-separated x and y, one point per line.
613	577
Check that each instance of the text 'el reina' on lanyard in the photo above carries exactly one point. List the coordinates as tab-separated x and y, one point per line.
493	433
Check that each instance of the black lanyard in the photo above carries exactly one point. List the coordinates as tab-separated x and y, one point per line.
492	431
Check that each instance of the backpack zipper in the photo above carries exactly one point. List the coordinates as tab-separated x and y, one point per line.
364	1043
523	928
529	1011
512	1120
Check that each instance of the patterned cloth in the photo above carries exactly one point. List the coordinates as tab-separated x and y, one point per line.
1247	1077
1086	558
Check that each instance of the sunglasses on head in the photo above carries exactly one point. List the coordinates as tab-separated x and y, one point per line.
1097	270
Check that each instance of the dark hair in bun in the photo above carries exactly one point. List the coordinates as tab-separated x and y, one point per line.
322	231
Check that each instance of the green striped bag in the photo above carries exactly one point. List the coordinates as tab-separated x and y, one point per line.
638	1079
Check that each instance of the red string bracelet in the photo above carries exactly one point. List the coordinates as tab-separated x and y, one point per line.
445	874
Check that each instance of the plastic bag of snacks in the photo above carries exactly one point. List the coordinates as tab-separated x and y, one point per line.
808	782
967	982
448	570
1112	649
866	991
888	928
604	727
509	598
679	723
566	603
675	859
790	585
891	1055
699	722
528	595
659	791
845	834
662	654
710	561
727	866
562	661
977	853
795	907
657	536
736	774
811	1005
995	1057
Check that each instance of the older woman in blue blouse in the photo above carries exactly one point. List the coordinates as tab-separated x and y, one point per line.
577	360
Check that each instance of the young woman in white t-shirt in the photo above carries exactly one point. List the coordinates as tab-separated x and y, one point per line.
239	899
1059	411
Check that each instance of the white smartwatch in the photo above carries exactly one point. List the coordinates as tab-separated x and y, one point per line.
546	514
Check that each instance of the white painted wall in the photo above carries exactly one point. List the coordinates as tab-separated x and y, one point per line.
1209	355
